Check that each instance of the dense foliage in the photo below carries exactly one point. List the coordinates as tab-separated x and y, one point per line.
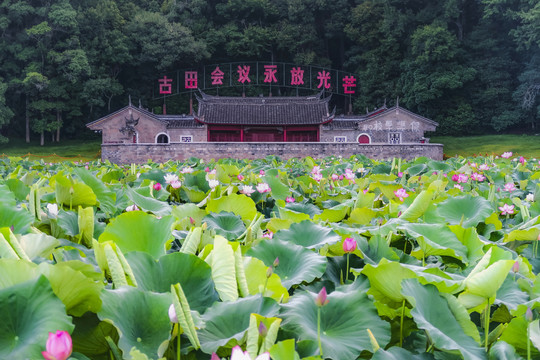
471	65
421	259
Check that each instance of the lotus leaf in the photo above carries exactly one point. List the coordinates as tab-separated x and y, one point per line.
309	235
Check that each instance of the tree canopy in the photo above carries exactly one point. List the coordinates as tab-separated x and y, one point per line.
471	65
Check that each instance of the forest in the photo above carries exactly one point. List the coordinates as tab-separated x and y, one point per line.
471	65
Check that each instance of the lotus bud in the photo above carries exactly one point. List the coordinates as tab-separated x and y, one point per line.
349	245
240	177
261	172
321	299
172	314
262	329
59	346
269	272
529	314
157	186
276	262
515	267
214	357
191	221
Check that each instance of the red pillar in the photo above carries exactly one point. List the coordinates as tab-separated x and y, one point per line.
284	134
242	133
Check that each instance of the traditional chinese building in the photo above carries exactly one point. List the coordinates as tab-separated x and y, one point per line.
266	120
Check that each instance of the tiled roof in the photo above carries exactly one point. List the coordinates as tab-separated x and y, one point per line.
305	110
179	121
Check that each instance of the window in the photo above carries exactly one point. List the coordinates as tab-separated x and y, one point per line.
186	138
394	138
162	139
340	139
363	139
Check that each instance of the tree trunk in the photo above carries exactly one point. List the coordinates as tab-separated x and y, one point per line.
27	119
59	120
42	138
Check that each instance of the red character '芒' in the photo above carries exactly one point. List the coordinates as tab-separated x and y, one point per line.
349	82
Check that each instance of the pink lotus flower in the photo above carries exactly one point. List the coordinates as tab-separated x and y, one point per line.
506	209
207	169
157	186
507	155
172	314
509	187
240	177
247	190
59	346
401	194
170	178
483	167
132	208
316	170
522	160
238	354
176	184
263	187
289	199
349	245
334	177
268	234
462	178
261	172
455	177
187	170
317	177
459	187
340	177
478	177
321	298
400	174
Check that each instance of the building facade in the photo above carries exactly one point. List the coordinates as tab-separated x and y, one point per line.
256	120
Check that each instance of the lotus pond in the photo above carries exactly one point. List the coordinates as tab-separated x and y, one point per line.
419	260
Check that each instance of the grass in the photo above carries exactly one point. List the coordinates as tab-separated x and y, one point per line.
73	150
522	145
85	150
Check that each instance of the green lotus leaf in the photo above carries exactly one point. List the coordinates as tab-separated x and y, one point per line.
258	280
156	175
501	350
196	180
418	206
439	166
344	323
309	235
20	189
279	191
68	221
226	322
333	215
396	353
189	211
141	318
222	262
226	224
469	238
238	204
309	209
432	314
29	311
139	231
7	197
19	218
284	350
417	169
89	336
38	245
437	239
466	210
296	263
73	194
16	271
193	274
292	216
159	208
362	216
515	334
105	196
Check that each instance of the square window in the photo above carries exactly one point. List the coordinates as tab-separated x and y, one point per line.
186	138
394	138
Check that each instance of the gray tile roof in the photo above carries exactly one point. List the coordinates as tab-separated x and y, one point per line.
305	110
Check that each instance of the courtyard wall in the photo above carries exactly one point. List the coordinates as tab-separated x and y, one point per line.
140	153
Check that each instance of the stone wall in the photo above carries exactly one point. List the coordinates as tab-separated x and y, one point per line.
139	153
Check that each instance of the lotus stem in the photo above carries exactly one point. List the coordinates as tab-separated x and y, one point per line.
486	325
319	330
401	324
347	273
178	341
528	342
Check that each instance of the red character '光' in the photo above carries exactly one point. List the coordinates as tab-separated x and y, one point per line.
191	80
165	86
323	77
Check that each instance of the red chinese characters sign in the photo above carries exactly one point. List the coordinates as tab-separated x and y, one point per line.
266	74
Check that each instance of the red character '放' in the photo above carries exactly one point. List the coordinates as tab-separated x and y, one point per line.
297	76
